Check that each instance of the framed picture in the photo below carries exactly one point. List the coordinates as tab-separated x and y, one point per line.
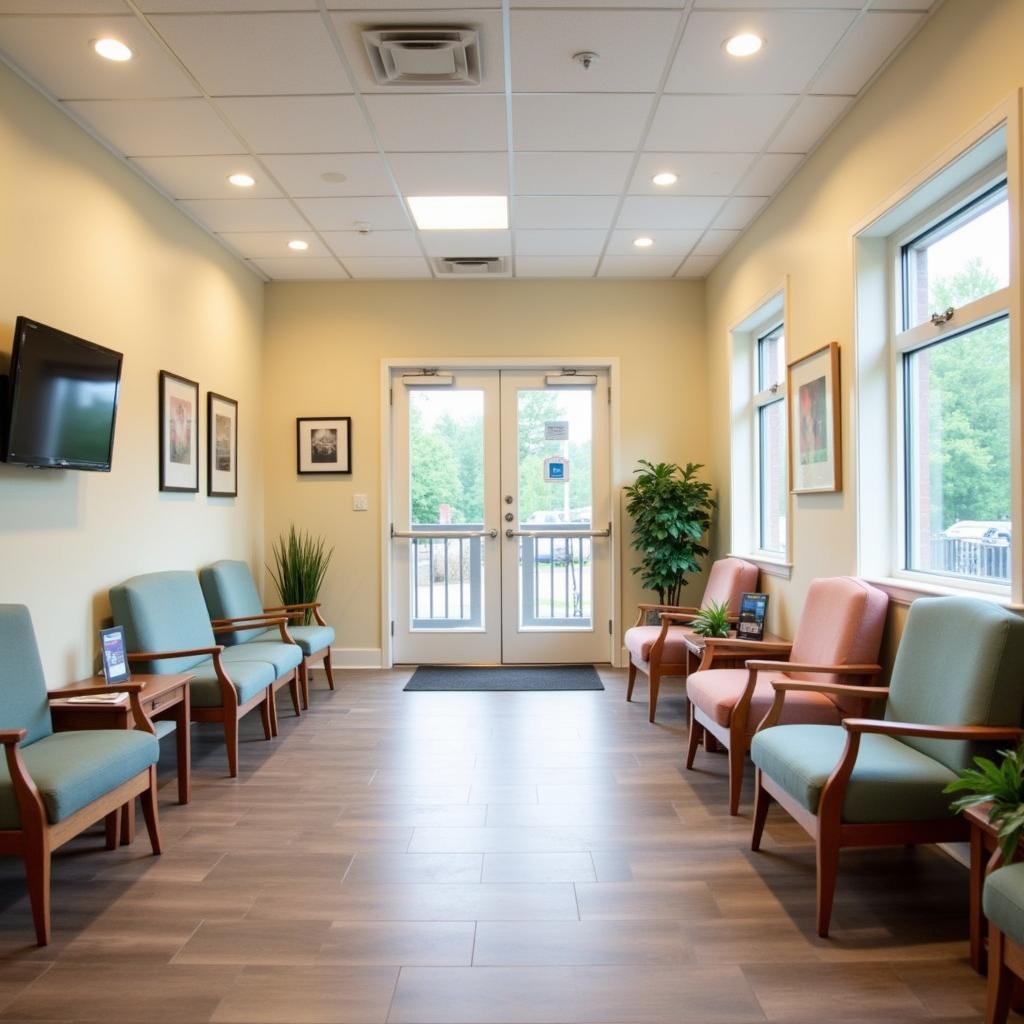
179	434
753	609
114	652
815	453
324	444
221	446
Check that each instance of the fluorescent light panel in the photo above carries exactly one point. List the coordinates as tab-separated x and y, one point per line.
459	213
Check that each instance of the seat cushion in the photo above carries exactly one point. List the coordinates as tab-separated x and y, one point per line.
230	593
249	678
716	692
1003	901
312	638
640	640
284	657
72	769
891	781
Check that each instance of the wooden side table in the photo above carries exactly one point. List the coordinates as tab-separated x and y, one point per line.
983	845
695	646
163	699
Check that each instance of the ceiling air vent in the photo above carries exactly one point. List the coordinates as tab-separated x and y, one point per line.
470	266
423	56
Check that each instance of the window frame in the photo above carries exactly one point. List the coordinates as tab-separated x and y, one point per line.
763	397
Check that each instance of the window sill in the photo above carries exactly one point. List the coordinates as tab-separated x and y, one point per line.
906	591
772	566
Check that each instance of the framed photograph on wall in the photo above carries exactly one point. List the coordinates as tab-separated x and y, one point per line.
324	444
815	452
221	446
179	433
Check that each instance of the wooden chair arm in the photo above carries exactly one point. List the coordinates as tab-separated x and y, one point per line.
718	648
210	652
294	607
281	623
792	666
258	616
26	793
783	686
980	733
683	617
12	737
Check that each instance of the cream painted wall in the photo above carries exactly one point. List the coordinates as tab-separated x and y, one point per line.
87	246
324	346
963	63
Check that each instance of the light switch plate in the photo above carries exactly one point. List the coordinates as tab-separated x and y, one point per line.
360	503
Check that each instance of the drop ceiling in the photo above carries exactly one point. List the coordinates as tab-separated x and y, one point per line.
283	90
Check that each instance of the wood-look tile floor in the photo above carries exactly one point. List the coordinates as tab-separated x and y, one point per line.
479	858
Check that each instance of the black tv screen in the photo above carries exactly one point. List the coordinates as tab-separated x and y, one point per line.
62	399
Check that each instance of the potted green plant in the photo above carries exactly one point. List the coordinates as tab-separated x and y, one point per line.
300	564
712	621
1002	786
671	511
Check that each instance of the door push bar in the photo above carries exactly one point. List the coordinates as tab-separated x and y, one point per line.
441	534
571	534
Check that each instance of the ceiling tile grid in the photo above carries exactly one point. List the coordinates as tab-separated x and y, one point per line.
571	113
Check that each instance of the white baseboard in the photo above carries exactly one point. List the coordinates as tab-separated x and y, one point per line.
356	657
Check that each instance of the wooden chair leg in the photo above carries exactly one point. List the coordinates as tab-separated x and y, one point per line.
1000	979
231	741
293	688
304	683
710	743
737	762
268	731
272	705
114	829
150	813
696	734
631	682
37	872
655	686
762	803
827	872
329	668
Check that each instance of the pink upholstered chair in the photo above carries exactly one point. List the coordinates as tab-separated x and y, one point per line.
658	651
838	638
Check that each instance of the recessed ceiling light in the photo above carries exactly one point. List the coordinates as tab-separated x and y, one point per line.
665	178
746	44
112	49
298	245
242	180
643	242
459	213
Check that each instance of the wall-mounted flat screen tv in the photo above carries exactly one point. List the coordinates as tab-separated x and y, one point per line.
62	400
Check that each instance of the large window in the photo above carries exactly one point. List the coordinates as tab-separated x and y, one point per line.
770	405
951	353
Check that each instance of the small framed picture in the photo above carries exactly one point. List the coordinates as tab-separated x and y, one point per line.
753	609
324	444
222	446
114	651
179	434
815	452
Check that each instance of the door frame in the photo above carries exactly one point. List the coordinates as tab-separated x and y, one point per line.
452	364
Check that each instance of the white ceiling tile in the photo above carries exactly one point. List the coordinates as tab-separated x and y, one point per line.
866	47
720	5
666	243
903	5
343	214
302	270
431	123
409	5
202	6
738	212
373	243
349	28
571	173
700	174
206	177
274	244
300	124
668	4
57	53
716	124
62	7
564	211
697	266
384	267
633	47
715	242
255	54
669	211
561	121
768	174
467	243
302	174
458	174
246	214
158	127
812	118
556	266
796	43
560	243
638	266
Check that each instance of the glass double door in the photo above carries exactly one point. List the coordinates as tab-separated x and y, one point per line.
501	537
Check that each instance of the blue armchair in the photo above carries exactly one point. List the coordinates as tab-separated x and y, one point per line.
55	785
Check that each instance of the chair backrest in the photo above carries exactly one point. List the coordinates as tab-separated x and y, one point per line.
728	581
841	624
960	662
230	593
23	703
163	611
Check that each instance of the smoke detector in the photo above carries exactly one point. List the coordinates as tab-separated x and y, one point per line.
423	55
586	58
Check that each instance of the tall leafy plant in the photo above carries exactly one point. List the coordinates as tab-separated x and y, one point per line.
671	511
300	564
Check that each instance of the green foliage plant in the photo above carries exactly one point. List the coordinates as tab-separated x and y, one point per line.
671	512
1002	785
712	621
300	564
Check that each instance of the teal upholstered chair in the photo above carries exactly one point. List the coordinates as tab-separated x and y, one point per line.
233	601
55	785
168	631
1003	902
957	685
